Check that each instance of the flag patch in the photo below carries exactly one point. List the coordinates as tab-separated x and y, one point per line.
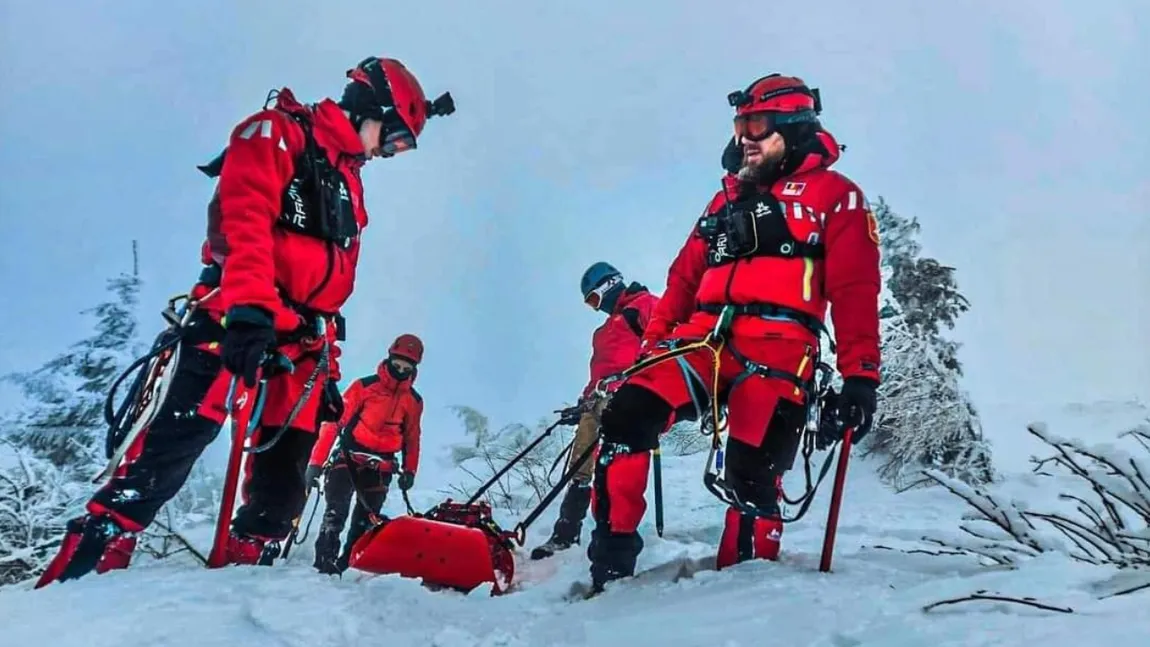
794	188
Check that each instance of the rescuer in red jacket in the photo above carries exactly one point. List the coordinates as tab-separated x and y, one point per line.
282	246
614	347
783	238
357	455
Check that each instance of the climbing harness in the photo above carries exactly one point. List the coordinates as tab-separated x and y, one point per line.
149	389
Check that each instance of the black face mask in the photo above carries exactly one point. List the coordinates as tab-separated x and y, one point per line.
397	372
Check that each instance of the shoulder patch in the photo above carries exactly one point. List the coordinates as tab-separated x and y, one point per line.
415	394
369	379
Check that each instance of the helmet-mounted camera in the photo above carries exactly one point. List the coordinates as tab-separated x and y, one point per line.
442	106
740	98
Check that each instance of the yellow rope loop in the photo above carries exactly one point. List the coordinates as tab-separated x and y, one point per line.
716	363
716	351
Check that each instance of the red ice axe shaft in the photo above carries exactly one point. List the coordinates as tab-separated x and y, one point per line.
241	408
836	501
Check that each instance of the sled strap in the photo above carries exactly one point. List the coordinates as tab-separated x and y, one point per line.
520	532
518	457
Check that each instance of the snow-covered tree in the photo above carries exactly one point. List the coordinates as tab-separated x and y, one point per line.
51	448
63	422
925	419
36	498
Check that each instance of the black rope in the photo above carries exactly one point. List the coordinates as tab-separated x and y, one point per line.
521	527
518	457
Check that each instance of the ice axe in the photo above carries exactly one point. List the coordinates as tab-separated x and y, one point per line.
836	501
243	417
657	466
245	420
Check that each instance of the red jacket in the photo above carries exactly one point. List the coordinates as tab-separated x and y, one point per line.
816	201
615	344
387	416
265	265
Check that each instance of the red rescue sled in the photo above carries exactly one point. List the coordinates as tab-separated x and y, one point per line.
453	545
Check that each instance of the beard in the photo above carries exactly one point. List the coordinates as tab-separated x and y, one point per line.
764	171
759	172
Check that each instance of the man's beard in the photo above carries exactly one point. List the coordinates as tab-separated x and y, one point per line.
761	172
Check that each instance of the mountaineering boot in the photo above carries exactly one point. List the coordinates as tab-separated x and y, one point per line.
569	526
91	543
326	553
747	536
251	550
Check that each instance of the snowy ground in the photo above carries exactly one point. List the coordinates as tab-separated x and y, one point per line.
874	596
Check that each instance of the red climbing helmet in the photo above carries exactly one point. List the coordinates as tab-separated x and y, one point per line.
384	89
408	347
772	101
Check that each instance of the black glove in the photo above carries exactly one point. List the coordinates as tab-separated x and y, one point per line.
331	406
406	480
312	476
570	415
249	335
856	406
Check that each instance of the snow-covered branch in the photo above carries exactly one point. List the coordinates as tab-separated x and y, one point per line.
1109	523
528	481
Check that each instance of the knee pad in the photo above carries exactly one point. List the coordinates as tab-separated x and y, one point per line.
635	417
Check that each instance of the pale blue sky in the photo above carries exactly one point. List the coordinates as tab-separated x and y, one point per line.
588	131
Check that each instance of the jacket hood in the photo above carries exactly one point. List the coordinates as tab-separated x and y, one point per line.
392	384
333	130
632	292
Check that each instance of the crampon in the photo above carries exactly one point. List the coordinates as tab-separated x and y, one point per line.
454	545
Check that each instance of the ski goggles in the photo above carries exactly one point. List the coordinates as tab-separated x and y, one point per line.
395	142
594	298
394	137
757	126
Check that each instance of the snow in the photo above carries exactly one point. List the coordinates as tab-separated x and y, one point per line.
874	595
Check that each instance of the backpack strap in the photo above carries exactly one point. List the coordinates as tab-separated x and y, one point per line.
213	168
631	316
